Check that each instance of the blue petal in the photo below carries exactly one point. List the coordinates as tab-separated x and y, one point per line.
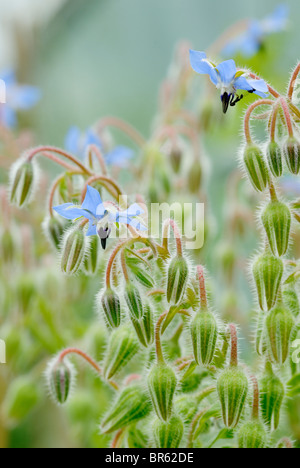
277	20
8	116
23	97
92	229
92	139
9	77
227	71
133	210
137	225
201	65
258	87
72	140
119	156
92	200
70	211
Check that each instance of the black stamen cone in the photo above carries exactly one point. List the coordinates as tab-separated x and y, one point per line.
225	98
104	235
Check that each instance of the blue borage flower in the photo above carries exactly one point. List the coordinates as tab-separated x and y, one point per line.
250	41
76	143
100	216
227	79
18	97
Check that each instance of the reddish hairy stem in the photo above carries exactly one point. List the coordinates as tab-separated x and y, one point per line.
271	90
287	116
125	127
45	150
250	109
273	122
255	404
55	159
54	188
203	296
98	153
293	81
105	180
167	224
234	348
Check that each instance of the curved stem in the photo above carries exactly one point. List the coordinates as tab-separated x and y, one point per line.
271	90
287	116
98	153
125	127
249	111
293	81
158	348
273	194
273	122
193	427
45	150
105	180
55	159
203	296
124	267
54	188
166	227
116	439
234	349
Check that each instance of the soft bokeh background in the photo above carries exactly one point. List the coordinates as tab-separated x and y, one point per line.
90	59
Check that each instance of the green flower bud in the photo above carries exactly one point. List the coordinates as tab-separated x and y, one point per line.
260	338
121	348
252	435
54	228
204	333
23	178
176	158
195	177
7	246
274	155
144	326
132	405
161	385
232	389
112	307
177	278
92	257
134	300
271	397
73	250
279	325
267	272
291	301
60	377
256	167
141	275
291	151
276	219
168	434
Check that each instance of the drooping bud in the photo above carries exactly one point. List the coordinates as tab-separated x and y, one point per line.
132	405
267	272
54	228
168	434
271	397
92	257
112	307
204	333
291	151
134	300
279	325
23	178
256	167
177	278
7	249
260	338
60	379
176	158
195	177
144	326
276	219
275	156
252	435
73	250
121	348
291	300
161	385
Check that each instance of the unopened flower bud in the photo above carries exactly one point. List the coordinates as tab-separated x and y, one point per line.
121	348
271	397
195	177
60	377
204	333
134	300
132	405
162	384
176	158
92	257
112	307
23	178
276	219
252	434
168	434
267	272
177	278
7	249
232	389
279	325
291	150
73	250
54	228
144	326
274	155
256	167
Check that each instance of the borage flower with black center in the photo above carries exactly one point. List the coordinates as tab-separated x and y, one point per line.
227	79
101	216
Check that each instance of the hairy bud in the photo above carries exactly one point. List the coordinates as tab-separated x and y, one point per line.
276	219
134	301
121	348
73	250
112	307
271	397
23	178
60	378
162	384
267	272
252	435
232	389
131	406
54	228
144	326
92	257
204	333
168	434
279	325
256	167
274	155
177	278
291	151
